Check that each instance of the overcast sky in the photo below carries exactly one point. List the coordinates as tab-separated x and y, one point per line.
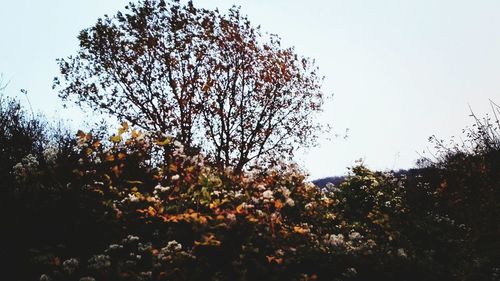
400	71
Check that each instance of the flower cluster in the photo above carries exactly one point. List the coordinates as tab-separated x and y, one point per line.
26	169
184	218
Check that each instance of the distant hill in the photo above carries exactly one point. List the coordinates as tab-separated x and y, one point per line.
337	180
334	180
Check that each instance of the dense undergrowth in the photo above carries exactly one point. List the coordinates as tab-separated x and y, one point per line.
139	206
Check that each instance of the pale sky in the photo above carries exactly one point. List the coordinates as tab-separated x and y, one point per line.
401	71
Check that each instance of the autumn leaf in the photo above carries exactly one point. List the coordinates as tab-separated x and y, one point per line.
240	209
151	211
80	134
300	230
116	138
164	142
274	259
172	168
135	134
96	144
123	128
277	204
208	240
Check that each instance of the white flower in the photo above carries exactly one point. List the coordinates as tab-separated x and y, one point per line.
231	217
130	239
355	235
238	194
285	191
371	243
350	272
173	246
113	247
268	194
336	240
162	188
27	167
70	265
247	206
402	253
178	145
132	197
290	202
99	262
175	177
50	155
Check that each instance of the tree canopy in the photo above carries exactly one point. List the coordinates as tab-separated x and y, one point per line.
210	79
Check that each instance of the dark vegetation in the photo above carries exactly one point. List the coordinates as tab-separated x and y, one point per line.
110	208
152	203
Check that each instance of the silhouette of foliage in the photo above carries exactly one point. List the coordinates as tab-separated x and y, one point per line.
210	79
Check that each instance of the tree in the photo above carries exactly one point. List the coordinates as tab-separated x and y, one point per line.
210	79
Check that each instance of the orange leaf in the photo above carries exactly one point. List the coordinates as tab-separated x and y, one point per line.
151	211
172	168
277	204
135	134
96	144
275	259
269	259
300	230
240	209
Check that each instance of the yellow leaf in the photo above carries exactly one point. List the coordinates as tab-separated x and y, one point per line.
116	138
240	209
151	211
164	142
252	218
123	129
135	134
208	240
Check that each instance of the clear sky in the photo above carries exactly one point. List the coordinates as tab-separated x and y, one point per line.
401	71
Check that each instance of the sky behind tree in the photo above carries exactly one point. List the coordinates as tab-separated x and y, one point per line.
400	71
